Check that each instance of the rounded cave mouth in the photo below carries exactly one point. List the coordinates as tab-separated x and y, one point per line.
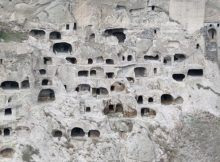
178	77
7	152
37	33
167	99
46	95
77	132
57	133
62	47
55	35
117	32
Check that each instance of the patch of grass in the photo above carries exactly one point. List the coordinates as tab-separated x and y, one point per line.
13	36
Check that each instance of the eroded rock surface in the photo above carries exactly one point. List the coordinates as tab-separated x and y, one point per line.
104	80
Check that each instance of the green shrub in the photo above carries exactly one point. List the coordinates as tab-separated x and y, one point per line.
13	36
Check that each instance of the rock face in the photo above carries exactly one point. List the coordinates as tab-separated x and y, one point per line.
102	80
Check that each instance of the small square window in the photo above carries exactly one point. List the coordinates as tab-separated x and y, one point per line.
6	131
42	71
155	70
150	99
98	91
47	60
140	99
110	75
88	109
67	26
8	111
74	26
90	61
111	108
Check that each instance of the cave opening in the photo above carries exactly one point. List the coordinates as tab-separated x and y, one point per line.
166	99
37	33
140	99
6	132
8	111
46	95
178	77
25	84
55	35
148	112
118	33
57	133
77	132
10	85
83	73
62	47
139	71
71	60
195	72
93	133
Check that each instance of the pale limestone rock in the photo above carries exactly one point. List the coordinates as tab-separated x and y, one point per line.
120	80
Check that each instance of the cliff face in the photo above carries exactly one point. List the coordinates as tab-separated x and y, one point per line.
100	80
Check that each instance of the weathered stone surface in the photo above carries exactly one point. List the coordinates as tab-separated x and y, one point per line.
104	80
